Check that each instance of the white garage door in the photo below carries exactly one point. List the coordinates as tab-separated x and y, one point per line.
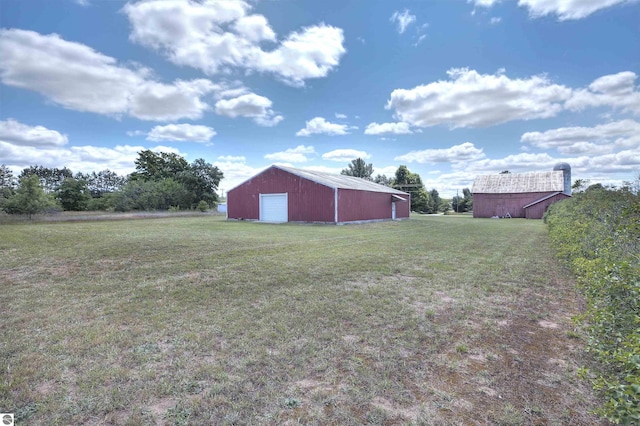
274	208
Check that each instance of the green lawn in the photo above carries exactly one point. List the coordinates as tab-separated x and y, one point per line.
195	320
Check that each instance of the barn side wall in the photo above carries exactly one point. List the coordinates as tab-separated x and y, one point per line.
489	205
308	201
363	205
537	210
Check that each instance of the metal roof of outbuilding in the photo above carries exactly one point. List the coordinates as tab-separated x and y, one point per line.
340	181
509	183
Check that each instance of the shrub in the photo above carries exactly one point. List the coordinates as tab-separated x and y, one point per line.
598	233
203	206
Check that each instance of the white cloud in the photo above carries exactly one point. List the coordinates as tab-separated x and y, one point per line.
249	105
232	158
345	155
86	159
458	153
235	172
386	128
563	9
402	20
597	140
77	77
311	53
341	116
495	20
162	102
388	171
18	134
470	99
298	154
216	36
484	3
615	90
181	133
319	125
568	9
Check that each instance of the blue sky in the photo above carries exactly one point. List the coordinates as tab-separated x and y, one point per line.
452	89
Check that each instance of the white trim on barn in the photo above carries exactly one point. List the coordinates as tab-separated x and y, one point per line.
274	208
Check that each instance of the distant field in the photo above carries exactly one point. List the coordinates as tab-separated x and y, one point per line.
195	320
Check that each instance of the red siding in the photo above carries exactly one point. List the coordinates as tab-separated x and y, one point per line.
536	211
356	205
308	201
488	205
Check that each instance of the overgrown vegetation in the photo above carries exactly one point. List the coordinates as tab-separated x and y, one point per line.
598	233
199	321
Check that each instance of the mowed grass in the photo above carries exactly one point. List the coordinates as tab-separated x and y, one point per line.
195	320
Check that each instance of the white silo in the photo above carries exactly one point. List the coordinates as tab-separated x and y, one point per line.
566	172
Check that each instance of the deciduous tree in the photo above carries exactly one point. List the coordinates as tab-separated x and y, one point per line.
29	198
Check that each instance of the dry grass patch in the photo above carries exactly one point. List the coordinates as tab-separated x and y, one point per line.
194	320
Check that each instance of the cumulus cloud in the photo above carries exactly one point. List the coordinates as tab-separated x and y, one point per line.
387	128
319	125
458	153
235	171
299	154
597	140
617	91
402	20
79	78
181	133
249	105
564	9
345	155
21	135
86	159
217	36
471	99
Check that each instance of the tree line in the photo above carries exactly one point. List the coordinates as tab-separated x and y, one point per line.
166	181
422	201
161	181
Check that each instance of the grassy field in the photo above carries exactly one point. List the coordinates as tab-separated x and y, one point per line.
195	320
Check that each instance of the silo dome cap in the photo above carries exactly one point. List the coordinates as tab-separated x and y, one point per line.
562	166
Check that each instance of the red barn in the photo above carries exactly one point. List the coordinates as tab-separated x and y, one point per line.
520	194
285	194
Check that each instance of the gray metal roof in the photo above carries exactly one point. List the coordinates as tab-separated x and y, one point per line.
509	183
340	181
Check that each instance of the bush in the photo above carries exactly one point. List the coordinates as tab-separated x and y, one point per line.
598	233
203	206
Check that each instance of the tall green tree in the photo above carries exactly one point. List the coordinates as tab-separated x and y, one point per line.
29	198
462	204
73	194
434	204
7	184
102	182
197	182
50	178
383	180
7	180
359	168
410	182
